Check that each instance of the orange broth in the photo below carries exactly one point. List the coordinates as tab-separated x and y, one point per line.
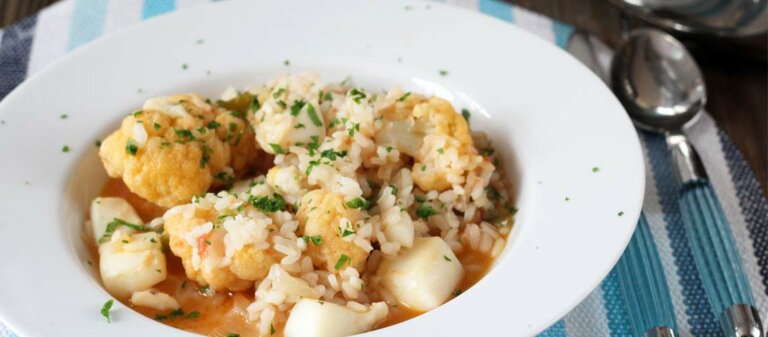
225	312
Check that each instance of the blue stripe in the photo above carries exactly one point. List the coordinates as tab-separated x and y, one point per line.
562	33
497	9
157	7
87	21
14	54
700	316
556	330
753	203
618	321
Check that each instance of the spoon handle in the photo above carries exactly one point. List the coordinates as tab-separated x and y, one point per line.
714	251
644	287
712	244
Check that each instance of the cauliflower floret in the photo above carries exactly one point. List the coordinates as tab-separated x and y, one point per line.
322	214
166	153
289	181
434	135
289	114
218	249
237	133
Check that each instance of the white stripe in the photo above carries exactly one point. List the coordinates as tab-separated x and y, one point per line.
469	4
1	34
589	318
122	13
657	225
703	135
51	35
534	23
188	3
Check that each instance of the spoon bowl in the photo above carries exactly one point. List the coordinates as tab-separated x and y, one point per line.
658	81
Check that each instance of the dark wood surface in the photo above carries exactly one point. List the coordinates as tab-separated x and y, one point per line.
735	70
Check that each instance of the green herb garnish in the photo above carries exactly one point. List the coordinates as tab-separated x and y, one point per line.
313	115
277	148
105	310
404	97
425	211
343	259
359	203
297	106
112	226
267	204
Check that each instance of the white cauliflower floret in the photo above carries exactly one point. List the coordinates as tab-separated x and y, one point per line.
434	135
321	216
289	114
167	152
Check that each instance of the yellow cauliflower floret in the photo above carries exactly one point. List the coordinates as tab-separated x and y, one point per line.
322	214
242	142
166	153
202	248
430	131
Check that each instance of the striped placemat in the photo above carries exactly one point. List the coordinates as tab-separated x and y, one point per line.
35	42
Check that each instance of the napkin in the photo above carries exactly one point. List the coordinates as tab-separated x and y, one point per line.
35	42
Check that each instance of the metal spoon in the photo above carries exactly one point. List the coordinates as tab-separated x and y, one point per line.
662	89
642	283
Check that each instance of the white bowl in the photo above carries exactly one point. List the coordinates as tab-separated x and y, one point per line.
552	120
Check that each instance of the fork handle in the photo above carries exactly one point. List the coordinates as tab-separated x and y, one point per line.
644	287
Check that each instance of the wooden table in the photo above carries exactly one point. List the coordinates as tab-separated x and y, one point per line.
735	71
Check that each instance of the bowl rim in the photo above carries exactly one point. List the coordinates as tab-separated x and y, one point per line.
605	117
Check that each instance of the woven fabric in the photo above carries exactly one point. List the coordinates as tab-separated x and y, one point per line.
35	42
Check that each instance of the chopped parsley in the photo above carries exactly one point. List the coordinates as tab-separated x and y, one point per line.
447	258
64	116
313	115
343	259
355	128
493	194
225	178
205	154
298	126
233	335
443	72
255	105
97	143
137	113
440	150
404	97
465	113
286	63
184	66
328	96
172	314
278	92
420	198
277	148
595	169
156	126
106	308
346	231
394	189
184	133
65	148
297	106
389	148
213	125
112	226
359	203
194	314
567	199
316	239
281	104
423	168
271	329
425	211
332	155
267	204
130	147
356	95
621	213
